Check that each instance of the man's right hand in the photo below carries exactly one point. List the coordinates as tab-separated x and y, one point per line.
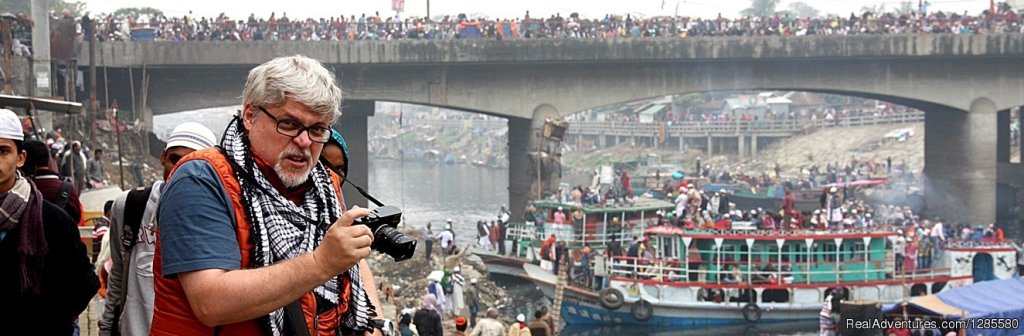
344	245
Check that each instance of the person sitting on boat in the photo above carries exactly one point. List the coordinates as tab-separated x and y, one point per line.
733	275
768	222
724	223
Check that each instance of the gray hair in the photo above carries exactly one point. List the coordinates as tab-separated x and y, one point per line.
298	77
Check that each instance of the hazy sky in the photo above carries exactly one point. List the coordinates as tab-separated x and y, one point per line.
499	9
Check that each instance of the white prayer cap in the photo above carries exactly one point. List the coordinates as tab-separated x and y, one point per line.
10	126
191	135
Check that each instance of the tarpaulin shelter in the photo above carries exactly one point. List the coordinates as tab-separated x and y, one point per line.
998	299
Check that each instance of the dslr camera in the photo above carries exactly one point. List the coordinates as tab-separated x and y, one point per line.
383	222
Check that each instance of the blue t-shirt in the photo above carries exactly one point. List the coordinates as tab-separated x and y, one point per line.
196	222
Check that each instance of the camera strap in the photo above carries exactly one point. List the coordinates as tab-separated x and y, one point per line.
362	192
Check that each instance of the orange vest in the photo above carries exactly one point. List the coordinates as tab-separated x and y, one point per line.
172	314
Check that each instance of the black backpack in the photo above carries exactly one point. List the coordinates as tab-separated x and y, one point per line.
134	206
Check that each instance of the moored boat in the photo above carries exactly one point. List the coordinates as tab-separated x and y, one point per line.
723	277
596	226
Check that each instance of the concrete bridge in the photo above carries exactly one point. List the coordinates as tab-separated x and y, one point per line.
966	84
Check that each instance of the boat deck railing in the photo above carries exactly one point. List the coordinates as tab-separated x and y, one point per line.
569	234
743	273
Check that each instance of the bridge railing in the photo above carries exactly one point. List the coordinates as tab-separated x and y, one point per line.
694	128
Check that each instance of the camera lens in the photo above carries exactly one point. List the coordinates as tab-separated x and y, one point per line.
393	243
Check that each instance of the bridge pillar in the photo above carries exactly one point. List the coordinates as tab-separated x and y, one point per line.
1003	136
519	179
711	146
352	125
753	145
740	140
960	163
602	140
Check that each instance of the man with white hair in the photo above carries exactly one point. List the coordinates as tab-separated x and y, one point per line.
46	279
129	306
254	235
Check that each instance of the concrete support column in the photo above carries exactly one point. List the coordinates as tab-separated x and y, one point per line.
1020	140
519	179
711	146
753	145
960	163
352	125
1003	136
740	146
602	140
681	142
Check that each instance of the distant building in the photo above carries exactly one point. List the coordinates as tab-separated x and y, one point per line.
761	106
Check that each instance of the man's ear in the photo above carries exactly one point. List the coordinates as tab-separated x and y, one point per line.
248	115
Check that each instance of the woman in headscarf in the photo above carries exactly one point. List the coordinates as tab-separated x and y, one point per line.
427	319
335	154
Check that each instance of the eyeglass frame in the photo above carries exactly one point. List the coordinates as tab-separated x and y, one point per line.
307	129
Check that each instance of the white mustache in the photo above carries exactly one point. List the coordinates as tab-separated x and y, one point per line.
291	152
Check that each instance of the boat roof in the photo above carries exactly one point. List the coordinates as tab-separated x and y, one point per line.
989	299
640	204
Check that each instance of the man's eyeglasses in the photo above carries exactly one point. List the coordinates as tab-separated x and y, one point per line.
319	134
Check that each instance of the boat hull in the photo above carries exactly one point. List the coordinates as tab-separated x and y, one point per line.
580	306
503	265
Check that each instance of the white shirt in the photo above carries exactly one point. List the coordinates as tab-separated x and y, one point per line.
899	245
445	237
937	231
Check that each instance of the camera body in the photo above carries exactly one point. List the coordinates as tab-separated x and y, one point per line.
383	222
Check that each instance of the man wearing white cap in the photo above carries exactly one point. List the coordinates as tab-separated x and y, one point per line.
46	279
472	299
519	327
458	283
129	305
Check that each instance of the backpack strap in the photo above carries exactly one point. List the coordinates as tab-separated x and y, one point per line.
134	206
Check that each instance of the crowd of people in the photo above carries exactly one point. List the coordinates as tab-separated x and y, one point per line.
449	295
276	27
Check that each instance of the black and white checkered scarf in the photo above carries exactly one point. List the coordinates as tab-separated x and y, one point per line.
282	230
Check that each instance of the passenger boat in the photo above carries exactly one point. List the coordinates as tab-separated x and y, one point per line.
724	277
598	227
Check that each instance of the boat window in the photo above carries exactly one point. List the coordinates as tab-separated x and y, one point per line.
775	295
827	251
857	253
771	253
729	253
785	253
758	253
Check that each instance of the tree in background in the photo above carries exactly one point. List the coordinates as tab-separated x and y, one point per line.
760	8
802	9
